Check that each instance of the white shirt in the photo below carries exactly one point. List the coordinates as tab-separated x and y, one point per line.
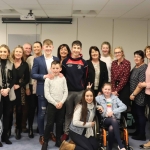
48	63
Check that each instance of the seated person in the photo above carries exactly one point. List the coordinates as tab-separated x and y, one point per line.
111	107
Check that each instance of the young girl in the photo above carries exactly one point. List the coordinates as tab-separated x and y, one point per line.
111	107
81	131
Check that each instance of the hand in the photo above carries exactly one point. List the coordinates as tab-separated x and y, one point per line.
4	92
61	75
99	93
89	85
100	109
16	86
115	93
142	84
132	97
92	124
59	105
28	92
110	113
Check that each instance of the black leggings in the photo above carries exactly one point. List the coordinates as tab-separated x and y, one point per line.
83	143
113	130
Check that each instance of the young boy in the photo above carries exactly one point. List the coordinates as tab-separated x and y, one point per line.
56	93
74	69
40	71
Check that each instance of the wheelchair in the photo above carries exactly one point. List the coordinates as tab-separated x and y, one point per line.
101	132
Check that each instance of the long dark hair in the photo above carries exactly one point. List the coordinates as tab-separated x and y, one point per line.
84	105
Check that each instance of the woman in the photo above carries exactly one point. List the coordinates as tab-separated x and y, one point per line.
97	70
146	85
63	51
138	95
120	72
22	73
81	131
107	57
32	98
7	81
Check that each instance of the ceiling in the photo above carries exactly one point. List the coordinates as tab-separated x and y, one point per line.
77	8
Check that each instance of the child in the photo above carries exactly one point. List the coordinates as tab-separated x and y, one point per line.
111	107
56	93
40	71
74	69
81	131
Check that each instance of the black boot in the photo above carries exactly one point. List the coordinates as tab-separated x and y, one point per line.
58	142
5	138
30	134
44	146
18	134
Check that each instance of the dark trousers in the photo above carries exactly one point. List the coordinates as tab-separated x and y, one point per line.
83	143
5	107
54	114
148	103
139	116
32	102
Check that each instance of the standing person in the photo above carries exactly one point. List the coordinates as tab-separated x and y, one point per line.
111	107
27	47
138	95
32	98
81	131
7	81
107	57
97	70
56	93
74	68
22	73
63	51
120	72
146	85
40	71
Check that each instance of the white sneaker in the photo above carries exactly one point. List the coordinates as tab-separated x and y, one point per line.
121	149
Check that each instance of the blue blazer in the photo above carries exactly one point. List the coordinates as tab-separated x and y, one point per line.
39	69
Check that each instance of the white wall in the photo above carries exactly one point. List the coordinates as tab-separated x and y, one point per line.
132	35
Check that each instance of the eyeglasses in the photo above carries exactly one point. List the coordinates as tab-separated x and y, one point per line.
117	52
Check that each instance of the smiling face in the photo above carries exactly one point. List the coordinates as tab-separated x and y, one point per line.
48	49
37	48
27	49
118	54
95	54
18	53
4	53
89	97
106	90
76	51
148	53
105	50
63	52
55	69
138	59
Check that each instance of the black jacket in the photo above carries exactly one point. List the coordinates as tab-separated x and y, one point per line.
103	74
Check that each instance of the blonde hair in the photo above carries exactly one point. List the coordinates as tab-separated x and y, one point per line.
13	53
109	46
5	46
119	47
47	42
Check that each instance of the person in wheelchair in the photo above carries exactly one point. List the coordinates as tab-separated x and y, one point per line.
111	107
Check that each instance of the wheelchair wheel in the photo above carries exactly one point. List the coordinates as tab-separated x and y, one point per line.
96	128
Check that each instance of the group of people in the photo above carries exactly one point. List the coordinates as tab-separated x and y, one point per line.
65	87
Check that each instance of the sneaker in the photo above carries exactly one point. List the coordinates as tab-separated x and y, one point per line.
64	137
121	149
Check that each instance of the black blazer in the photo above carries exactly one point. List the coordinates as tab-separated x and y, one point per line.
103	74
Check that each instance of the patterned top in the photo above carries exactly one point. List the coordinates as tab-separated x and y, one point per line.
97	74
120	73
138	75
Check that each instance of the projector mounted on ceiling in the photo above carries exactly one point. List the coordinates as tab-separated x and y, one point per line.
30	16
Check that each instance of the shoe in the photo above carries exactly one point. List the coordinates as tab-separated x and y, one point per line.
1	145
44	146
58	142
41	140
30	134
146	145
65	137
66	146
139	137
52	137
6	140
134	133
18	134
121	149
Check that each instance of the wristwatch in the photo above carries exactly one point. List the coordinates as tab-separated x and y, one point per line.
133	94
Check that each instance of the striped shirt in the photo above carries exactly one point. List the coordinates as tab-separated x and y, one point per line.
138	75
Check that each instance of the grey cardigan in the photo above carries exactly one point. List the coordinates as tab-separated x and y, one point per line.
117	105
9	65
